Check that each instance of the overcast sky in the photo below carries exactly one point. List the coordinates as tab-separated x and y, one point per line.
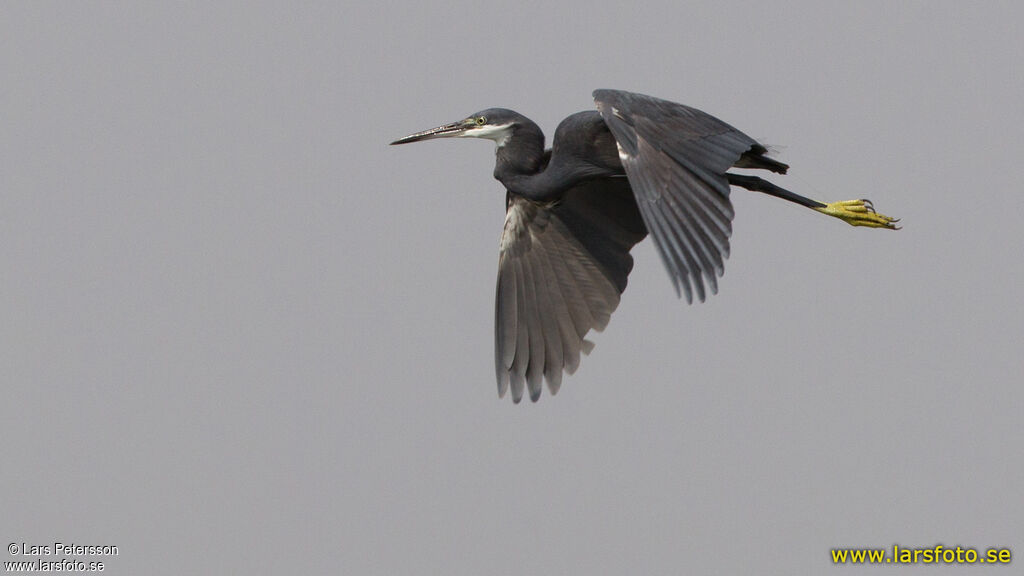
239	334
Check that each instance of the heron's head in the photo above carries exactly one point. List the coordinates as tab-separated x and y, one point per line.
494	124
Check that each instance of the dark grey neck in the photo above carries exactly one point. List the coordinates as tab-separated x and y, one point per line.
522	154
521	168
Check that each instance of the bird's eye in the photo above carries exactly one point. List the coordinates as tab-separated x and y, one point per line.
480	120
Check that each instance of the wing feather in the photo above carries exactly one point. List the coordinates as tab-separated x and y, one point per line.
676	157
561	271
517	370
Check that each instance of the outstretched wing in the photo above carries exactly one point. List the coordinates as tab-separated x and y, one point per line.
676	157
561	271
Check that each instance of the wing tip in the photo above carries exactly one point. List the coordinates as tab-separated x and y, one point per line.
587	346
554	387
502	383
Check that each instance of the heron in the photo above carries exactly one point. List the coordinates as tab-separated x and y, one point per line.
636	165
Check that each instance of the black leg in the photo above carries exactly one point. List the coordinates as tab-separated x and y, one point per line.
756	184
853	212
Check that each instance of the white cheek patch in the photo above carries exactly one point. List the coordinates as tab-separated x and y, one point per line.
500	133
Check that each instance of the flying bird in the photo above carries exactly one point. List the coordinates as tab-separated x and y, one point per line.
637	165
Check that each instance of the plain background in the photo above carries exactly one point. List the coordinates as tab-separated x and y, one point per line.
242	335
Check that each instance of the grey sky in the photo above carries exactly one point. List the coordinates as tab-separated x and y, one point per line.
241	334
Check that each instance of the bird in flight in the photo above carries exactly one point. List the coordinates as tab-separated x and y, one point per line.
636	165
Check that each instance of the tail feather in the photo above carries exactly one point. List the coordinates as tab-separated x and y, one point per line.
756	158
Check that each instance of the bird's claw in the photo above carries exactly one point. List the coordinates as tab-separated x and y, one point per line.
859	213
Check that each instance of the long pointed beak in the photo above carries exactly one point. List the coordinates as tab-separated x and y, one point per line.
446	131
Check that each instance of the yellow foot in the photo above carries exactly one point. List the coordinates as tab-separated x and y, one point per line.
859	213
